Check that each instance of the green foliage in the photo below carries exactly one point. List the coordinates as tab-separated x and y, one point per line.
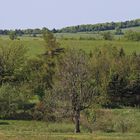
113	71
53	87
104	120
132	35
13	99
107	36
118	31
79	28
7	98
12	35
125	124
13	87
12	60
122	121
100	27
75	79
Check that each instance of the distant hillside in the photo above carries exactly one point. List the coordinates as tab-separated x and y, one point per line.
100	26
79	28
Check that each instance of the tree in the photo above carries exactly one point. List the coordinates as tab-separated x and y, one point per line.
118	31
42	69
12	60
52	51
100	27
77	87
117	76
34	35
54	30
12	35
13	87
107	36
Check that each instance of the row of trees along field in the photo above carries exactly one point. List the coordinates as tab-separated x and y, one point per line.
78	28
100	26
62	84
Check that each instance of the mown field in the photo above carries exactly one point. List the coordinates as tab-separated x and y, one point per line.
37	130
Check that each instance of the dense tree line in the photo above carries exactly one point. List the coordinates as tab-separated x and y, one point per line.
79	28
101	26
20	32
63	83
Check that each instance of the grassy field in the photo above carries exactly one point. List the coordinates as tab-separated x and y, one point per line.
32	130
36	45
58	136
89	45
36	130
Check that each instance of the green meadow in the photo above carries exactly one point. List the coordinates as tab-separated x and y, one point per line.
35	46
38	130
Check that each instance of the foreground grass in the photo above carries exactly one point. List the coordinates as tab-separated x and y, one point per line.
37	130
74	137
71	136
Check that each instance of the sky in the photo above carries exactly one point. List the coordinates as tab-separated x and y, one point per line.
21	14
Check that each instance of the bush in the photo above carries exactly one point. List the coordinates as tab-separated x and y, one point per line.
12	35
109	121
107	36
19	116
124	123
42	112
104	121
132	35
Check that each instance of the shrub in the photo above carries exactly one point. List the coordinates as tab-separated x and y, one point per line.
110	121
124	123
104	121
132	35
42	112
12	35
107	36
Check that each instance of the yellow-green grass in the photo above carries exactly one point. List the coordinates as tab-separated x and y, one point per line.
37	130
89	45
96	136
36	45
33	130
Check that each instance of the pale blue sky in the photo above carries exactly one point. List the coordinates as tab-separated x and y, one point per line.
61	13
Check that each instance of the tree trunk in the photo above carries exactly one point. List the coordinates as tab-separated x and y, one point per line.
77	121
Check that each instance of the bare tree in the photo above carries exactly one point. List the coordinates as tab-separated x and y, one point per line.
76	82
